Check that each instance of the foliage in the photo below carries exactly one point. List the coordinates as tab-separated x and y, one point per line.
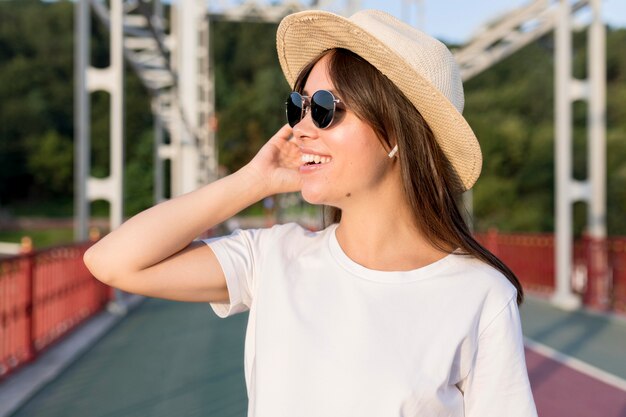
250	89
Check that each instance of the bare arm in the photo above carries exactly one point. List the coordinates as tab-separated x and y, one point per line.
153	254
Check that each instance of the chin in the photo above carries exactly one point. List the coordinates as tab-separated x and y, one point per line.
311	197
315	195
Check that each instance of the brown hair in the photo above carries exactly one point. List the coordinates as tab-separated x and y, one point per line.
428	178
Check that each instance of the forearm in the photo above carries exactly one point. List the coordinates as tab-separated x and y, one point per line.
161	231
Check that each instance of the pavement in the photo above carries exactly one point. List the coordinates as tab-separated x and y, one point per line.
576	360
167	358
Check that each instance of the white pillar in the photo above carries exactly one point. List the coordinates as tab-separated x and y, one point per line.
596	123
82	133
187	44
116	197
599	277
563	296
158	160
111	80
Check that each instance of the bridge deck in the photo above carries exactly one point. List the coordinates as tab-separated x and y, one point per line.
165	360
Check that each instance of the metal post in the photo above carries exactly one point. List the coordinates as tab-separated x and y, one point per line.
158	161
111	80
117	114
213	150
187	44
81	118
157	10
563	296
175	119
596	143
207	121
159	191
116	175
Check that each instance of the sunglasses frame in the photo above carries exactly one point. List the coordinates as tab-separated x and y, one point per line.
307	104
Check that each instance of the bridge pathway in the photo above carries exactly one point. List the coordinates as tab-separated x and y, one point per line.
154	363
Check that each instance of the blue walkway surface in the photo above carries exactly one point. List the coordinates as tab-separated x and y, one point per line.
165	359
178	359
598	340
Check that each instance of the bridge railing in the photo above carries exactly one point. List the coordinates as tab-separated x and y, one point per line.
617	262
531	257
43	295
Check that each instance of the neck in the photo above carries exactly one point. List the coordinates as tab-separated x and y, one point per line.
381	234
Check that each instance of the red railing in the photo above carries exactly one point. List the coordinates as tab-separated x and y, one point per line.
43	295
598	273
530	257
617	265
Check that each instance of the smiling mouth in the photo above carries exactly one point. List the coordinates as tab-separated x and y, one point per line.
310	159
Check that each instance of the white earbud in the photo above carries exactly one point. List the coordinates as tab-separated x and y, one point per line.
393	152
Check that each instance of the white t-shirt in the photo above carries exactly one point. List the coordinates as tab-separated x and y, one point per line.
328	337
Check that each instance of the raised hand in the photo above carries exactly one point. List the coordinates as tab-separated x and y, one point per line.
277	163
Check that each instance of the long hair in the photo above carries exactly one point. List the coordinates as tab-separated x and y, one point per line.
428	178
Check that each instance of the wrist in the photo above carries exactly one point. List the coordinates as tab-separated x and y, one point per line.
254	182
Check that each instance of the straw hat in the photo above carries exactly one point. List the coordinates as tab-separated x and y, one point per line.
419	65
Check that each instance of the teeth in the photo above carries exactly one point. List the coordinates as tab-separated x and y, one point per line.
315	158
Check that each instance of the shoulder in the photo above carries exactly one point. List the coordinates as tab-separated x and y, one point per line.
294	238
485	276
287	231
292	230
287	237
487	285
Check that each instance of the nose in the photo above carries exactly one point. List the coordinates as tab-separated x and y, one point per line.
305	128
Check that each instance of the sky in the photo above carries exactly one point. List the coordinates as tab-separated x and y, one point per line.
455	20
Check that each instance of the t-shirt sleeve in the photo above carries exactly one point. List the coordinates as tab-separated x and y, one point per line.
238	255
497	384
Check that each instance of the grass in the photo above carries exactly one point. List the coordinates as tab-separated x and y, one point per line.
41	238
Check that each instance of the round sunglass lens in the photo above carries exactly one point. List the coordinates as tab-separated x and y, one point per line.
294	108
322	108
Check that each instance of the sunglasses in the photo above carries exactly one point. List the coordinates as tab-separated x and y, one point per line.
322	103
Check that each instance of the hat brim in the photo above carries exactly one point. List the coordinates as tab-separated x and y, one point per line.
303	36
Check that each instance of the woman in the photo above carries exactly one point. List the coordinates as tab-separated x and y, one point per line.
392	310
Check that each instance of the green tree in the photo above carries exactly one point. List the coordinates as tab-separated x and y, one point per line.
50	160
250	87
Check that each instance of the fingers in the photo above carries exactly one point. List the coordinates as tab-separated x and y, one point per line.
284	133
284	139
